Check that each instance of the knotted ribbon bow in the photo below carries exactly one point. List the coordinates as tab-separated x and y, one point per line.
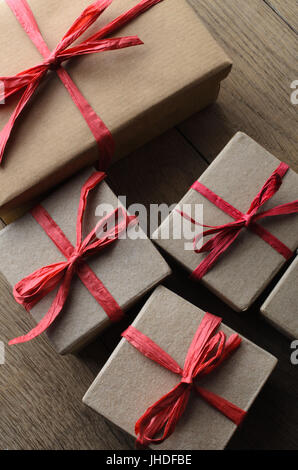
31	79
226	234
207	352
37	285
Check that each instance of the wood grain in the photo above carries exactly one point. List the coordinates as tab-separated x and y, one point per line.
287	10
41	392
160	173
256	96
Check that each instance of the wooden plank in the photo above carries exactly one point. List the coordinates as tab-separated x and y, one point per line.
287	10
40	392
256	96
161	172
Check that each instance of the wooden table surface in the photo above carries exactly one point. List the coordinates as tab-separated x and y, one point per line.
41	392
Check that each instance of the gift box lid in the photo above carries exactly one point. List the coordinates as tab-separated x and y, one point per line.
129	382
138	92
249	264
128	269
281	307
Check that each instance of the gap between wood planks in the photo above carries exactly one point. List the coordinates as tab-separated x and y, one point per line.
278	8
256	97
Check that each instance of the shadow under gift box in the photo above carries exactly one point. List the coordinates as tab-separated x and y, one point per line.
129	382
138	92
237	175
281	307
128	268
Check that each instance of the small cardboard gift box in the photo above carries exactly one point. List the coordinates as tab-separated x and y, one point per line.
130	382
127	269
246	267
281	307
138	92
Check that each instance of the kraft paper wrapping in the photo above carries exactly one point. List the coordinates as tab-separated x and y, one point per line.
281	307
128	269
247	267
130	378
139	92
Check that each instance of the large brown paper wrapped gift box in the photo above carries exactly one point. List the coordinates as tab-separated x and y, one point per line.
246	268
138	92
129	383
128	269
281	307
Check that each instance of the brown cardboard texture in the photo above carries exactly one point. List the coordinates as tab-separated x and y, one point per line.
281	307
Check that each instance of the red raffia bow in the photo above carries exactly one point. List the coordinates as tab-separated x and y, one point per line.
31	79
207	352
37	285
226	234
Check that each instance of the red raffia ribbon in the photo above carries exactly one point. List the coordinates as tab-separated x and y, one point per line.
37	285
206	353
31	79
225	235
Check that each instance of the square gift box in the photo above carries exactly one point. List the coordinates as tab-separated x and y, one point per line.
248	264
281	307
138	92
129	383
128	268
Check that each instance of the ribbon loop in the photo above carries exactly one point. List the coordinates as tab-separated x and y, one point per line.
206	353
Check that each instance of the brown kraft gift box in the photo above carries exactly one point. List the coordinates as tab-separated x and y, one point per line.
138	92
281	307
128	269
172	322
247	267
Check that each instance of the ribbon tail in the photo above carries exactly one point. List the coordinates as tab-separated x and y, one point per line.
52	313
223	243
125	18
7	130
12	85
83	22
284	209
231	411
103	45
162	417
